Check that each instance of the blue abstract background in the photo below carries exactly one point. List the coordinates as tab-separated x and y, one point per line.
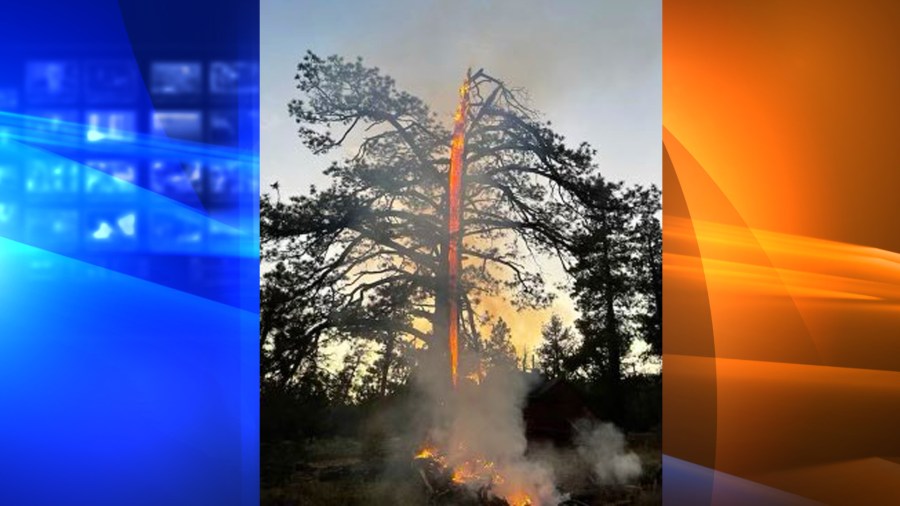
129	252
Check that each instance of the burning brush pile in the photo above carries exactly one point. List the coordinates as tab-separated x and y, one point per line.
474	481
477	452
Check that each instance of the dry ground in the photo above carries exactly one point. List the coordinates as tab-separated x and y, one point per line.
345	472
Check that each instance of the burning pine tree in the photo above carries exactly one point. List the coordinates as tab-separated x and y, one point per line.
385	223
434	221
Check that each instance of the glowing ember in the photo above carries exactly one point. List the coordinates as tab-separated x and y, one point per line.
461	475
475	471
431	454
426	453
457	148
518	499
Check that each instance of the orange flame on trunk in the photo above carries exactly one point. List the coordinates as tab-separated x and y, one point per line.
457	148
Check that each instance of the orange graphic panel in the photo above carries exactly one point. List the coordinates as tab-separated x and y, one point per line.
781	264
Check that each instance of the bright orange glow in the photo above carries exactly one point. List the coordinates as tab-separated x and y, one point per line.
518	499
426	453
457	149
475	470
461	475
477	473
780	280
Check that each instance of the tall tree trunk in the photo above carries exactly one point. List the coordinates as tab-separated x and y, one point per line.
386	365
613	339
439	349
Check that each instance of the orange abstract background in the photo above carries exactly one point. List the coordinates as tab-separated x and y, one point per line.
781	237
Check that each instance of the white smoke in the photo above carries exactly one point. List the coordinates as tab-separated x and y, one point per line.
484	423
603	446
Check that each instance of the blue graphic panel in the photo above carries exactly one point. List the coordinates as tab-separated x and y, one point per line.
688	483
129	252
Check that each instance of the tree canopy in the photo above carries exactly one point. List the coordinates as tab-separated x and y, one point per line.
364	258
381	224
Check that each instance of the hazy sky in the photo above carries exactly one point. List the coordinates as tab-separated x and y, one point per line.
593	68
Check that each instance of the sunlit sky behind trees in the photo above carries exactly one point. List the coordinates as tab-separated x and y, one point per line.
593	68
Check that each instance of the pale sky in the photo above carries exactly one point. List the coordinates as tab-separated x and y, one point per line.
593	68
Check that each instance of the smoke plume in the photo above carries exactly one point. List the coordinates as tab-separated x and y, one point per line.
480	432
603	447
